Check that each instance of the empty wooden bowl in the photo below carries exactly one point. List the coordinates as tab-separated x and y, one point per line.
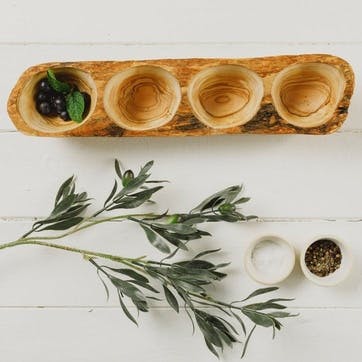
307	95
142	97
27	108
225	96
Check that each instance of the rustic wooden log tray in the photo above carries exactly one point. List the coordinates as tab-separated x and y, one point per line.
266	120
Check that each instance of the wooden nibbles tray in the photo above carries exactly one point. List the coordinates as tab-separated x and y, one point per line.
291	94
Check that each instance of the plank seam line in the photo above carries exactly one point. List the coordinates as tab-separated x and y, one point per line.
81	307
178	43
17	219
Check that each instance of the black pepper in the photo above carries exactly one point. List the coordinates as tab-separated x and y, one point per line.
323	257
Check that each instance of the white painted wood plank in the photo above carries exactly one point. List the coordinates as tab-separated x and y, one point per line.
36	276
106	335
160	21
287	176
16	58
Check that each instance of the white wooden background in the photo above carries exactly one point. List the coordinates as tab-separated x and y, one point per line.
52	307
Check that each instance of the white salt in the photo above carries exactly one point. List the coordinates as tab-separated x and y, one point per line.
271	258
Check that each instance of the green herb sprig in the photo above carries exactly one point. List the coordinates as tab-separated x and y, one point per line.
74	99
183	284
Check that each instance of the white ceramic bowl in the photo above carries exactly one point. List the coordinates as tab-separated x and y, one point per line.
286	266
340	274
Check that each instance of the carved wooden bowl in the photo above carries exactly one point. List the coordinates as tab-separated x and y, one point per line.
306	94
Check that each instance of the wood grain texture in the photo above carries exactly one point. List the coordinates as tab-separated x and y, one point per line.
266	121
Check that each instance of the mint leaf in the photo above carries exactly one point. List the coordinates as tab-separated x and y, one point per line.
56	84
75	106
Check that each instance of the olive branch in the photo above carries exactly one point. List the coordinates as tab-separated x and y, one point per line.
183	284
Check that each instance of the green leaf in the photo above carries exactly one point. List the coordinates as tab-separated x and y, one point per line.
189	287
56	84
258	318
216	199
247	341
222	326
117	167
237	317
64	225
282	315
194	220
264	305
241	200
75	210
144	285
279	300
114	190
211	348
134	200
171	238
171	299
206	252
259	292
75	106
154	298
126	311
64	204
62	188
177	228
103	283
156	181
190	317
229	325
128	289
208	331
130	273
196	264
156	240
146	168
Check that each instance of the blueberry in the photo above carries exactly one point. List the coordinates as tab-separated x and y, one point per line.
44	108
58	103
64	116
58	109
42	96
58	100
44	85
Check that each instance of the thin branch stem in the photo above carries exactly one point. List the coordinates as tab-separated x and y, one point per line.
90	223
84	252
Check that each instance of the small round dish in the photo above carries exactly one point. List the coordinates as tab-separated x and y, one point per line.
269	259
338	275
225	96
307	94
53	125
142	97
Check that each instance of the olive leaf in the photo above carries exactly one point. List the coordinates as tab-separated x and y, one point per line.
171	299
259	292
155	239
187	282
68	207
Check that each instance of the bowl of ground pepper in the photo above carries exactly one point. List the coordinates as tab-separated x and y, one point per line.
326	261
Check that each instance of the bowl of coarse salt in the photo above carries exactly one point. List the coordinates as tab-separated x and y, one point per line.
269	259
